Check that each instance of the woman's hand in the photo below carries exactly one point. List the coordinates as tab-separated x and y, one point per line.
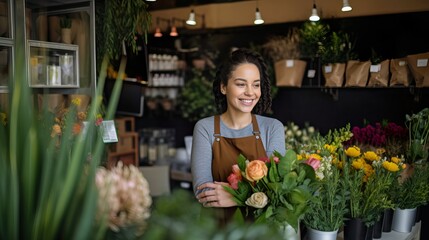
216	196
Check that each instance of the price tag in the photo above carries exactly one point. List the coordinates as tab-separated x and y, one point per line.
422	62
311	73
289	63
402	63
375	68
109	131
328	68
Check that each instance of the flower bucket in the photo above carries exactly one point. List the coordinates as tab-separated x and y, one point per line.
313	234
355	229
403	219
378	227
289	73
387	220
334	74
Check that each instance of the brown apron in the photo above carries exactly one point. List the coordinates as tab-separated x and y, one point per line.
225	153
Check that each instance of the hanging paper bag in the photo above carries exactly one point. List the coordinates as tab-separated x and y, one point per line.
400	72
334	74
379	74
357	73
289	73
419	68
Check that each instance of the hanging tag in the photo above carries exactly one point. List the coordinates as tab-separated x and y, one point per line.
375	68
311	73
289	63
328	68
422	62
109	131
402	63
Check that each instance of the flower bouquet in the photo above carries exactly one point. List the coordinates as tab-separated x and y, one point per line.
274	190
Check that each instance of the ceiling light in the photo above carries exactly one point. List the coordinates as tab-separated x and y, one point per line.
346	6
158	32
258	18
191	19
314	16
174	32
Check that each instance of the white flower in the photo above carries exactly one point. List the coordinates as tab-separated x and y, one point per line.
289	133
311	129
257	200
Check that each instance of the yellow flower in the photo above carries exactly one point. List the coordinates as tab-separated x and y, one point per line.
76	101
56	130
353	151
330	148
358	163
299	157
395	160
390	166
368	169
371	156
315	156
404	166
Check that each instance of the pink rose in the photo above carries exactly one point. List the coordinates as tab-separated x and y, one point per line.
234	177
314	163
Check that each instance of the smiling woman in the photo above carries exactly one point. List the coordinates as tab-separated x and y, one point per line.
242	93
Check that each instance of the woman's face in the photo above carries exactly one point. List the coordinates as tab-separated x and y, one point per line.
243	89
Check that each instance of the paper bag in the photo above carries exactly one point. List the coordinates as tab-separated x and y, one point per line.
357	73
379	74
289	73
419	67
400	72
334	74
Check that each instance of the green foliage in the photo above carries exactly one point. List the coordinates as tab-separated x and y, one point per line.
414	190
328	206
119	24
418	129
313	35
338	48
48	185
196	99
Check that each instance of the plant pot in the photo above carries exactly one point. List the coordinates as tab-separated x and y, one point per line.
387	220
369	232
403	220
355	229
290	72
313	234
334	74
378	227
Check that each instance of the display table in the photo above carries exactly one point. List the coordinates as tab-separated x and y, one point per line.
393	235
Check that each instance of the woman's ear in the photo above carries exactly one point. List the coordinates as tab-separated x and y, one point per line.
223	89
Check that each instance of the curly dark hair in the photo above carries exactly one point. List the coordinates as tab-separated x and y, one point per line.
225	70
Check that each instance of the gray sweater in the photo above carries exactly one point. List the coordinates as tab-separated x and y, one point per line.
272	136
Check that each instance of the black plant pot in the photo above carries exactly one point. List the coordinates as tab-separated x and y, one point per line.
387	221
369	232
378	228
355	229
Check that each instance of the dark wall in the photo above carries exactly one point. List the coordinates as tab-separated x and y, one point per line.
391	36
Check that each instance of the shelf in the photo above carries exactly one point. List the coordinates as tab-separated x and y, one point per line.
53	65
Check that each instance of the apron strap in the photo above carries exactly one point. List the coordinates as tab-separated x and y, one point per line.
256	131
216	133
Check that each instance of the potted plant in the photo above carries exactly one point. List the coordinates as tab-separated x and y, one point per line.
379	71
65	25
285	53
196	100
334	53
418	129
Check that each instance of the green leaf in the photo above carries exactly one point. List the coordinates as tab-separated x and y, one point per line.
241	161
290	181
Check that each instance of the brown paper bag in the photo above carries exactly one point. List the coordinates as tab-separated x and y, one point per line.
379	74
419	67
334	74
400	72
357	73
289	73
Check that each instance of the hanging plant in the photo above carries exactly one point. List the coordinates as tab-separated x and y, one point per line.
118	24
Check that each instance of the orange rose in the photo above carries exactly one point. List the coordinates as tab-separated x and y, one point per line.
256	170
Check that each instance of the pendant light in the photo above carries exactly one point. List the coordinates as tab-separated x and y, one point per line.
258	17
314	16
191	19
173	31
346	6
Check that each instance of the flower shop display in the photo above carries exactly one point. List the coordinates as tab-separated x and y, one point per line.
274	190
124	200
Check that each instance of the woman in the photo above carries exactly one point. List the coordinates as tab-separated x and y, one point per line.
242	90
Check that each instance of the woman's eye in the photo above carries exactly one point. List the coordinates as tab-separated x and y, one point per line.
256	85
240	84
